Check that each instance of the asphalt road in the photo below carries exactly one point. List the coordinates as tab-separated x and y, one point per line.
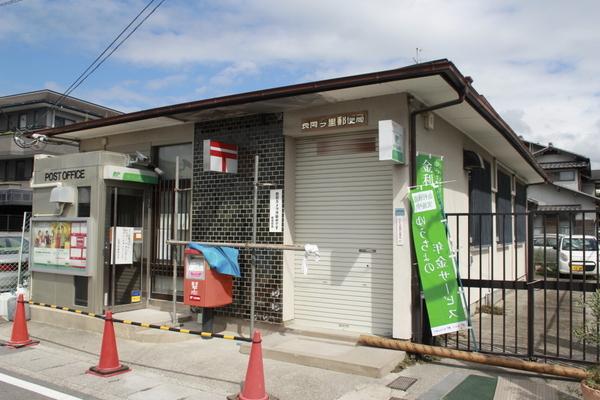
14	386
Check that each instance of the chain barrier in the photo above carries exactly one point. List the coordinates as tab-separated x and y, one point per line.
144	324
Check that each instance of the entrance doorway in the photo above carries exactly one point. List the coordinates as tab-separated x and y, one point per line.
126	224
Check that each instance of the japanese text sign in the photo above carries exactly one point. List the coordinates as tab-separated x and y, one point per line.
435	259
345	120
430	171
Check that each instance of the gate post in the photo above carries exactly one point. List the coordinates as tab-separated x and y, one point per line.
530	288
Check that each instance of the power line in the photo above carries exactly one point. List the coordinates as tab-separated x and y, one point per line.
68	90
91	68
9	2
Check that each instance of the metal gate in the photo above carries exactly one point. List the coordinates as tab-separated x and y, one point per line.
525	276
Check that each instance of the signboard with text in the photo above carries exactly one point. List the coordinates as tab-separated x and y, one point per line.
59	246
391	141
437	270
430	171
276	211
332	121
122	240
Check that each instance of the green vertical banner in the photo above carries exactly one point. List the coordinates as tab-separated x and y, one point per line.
437	269
430	171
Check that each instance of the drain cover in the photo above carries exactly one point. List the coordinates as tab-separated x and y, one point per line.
402	383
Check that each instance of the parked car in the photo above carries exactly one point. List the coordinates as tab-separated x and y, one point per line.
544	251
9	259
578	253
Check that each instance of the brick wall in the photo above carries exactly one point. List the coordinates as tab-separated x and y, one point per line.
222	206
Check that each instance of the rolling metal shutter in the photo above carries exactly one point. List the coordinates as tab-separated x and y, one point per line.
344	205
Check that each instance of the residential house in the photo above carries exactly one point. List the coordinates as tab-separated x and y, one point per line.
28	112
570	192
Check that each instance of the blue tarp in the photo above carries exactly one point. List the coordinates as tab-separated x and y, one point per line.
223	259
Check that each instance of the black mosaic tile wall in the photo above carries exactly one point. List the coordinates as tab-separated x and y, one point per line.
222	206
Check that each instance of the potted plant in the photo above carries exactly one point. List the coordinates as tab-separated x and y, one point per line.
589	332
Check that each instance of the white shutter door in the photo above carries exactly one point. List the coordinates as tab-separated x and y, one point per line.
344	205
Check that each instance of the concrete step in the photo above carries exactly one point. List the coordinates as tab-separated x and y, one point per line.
335	355
71	320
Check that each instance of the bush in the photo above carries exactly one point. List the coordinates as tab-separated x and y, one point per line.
590	333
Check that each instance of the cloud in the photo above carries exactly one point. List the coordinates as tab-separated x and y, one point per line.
233	73
161	83
57	87
515	119
536	61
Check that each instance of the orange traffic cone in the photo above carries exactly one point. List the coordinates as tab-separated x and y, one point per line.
20	335
109	364
254	385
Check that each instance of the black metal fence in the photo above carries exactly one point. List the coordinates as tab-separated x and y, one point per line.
164	223
525	276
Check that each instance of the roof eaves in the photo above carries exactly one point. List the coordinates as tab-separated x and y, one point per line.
439	67
443	67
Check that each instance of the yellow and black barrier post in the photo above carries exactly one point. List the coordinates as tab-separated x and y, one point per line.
145	324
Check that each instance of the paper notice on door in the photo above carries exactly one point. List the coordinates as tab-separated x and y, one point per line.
122	252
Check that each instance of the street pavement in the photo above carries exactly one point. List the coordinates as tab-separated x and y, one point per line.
15	386
212	369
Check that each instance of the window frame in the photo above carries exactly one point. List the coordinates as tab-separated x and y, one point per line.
504	205
480	201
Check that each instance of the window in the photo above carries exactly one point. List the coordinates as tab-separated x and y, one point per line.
480	203
521	207
165	157
578	244
3	122
561	176
20	170
22	121
81	290
16	169
12	122
83	201
61	121
166	160
504	208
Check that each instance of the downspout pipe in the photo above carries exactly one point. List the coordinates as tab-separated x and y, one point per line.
420	322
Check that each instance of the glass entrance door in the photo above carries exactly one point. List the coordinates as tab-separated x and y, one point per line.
124	261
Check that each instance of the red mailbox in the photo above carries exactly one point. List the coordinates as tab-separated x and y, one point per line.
203	286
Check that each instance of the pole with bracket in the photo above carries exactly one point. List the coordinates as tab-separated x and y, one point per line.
253	262
175	235
23	225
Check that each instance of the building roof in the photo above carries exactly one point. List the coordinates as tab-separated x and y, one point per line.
560	207
564	164
431	83
551	149
47	97
573	191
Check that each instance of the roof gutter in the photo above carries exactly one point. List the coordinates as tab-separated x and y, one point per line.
421	332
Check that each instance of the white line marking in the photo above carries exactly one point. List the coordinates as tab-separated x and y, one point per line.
39	389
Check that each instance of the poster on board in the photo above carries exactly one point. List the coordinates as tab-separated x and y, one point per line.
122	252
59	246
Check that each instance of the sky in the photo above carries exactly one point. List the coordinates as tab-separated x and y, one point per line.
536	61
